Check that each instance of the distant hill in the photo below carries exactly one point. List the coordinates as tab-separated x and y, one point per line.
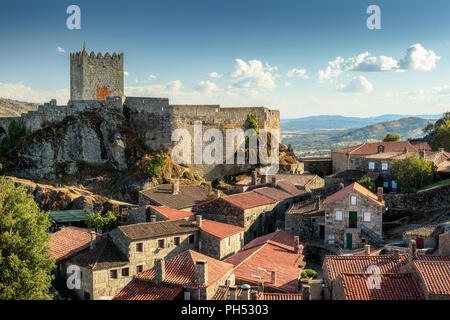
341	122
321	142
13	108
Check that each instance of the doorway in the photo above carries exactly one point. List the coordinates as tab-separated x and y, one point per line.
349	241
352	219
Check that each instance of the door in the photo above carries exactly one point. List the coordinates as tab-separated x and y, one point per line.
322	232
349	241
353	219
420	243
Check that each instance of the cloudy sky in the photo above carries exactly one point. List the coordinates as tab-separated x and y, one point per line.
301	57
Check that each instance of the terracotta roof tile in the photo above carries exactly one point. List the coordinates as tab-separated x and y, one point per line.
218	229
170	213
180	270
247	200
222	293
357	187
143	290
274	193
372	147
148	230
435	275
398	286
69	241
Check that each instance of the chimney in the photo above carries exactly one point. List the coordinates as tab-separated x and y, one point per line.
260	286
396	254
306	293
245	292
198	219
254	295
216	194
422	153
441	150
367	249
93	237
201	272
232	291
160	270
297	244
152	218
406	149
274	181
254	177
380	194
264	178
412	250
273	277
341	186
176	187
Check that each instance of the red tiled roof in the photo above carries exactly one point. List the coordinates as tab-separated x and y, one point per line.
261	258
180	270
69	241
187	197
218	229
281	237
397	286
247	200
222	293
170	213
372	147
372	176
435	275
143	290
273	193
357	187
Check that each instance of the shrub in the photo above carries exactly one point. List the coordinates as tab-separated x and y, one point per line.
391	137
308	273
16	130
105	223
412	173
154	165
253	121
368	184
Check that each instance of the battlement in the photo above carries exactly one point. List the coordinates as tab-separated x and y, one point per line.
96	76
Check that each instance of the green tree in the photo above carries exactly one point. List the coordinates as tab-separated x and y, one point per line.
412	173
391	137
25	261
439	133
253	121
105	223
16	130
368	184
154	165
308	273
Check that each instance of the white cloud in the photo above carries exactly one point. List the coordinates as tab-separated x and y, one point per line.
253	75
60	49
206	86
300	73
416	58
126	73
151	76
215	75
288	84
419	58
19	91
157	90
357	85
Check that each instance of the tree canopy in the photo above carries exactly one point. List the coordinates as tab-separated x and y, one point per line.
25	261
412	173
439	133
368	184
105	223
391	137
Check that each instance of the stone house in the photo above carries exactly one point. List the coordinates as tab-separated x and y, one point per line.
444	242
354	217
425	237
249	210
173	196
219	240
304	181
189	275
352	158
274	261
306	219
149	213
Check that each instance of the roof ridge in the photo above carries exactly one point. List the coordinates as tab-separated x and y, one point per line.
358	147
250	255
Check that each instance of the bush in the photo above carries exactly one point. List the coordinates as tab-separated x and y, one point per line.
16	131
105	223
391	137
154	165
253	122
368	184
308	273
412	173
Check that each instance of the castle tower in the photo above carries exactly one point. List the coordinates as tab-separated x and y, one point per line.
94	77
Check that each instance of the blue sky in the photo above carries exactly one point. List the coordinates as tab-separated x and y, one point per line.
241	53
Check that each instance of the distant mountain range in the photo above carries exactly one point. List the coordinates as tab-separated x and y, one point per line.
14	108
341	122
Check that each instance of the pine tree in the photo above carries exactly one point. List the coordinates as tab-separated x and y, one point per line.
25	261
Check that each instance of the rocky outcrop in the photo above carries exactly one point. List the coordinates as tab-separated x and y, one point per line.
91	138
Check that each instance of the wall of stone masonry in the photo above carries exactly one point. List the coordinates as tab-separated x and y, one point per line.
322	166
444	243
338	229
219	248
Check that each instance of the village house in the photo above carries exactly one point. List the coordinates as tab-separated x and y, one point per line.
249	210
306	219
218	240
151	213
274	261
173	195
352	158
425	237
188	276
354	217
344	275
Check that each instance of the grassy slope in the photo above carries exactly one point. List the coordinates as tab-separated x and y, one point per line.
13	108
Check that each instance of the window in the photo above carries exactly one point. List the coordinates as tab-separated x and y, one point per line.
338	215
386	184
380	148
161	243
139	269
366	216
176	241
139	247
353	200
384	166
394	184
125	272
371	165
191	239
228	241
113	274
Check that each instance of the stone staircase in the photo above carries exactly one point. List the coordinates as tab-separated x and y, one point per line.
372	237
